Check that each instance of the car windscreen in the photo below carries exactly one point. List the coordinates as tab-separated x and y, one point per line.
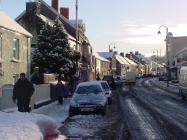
105	86
88	89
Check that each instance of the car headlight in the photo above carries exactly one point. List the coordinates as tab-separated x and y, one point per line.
73	103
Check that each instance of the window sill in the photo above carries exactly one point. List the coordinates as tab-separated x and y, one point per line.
15	60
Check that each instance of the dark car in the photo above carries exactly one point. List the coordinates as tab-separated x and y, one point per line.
110	80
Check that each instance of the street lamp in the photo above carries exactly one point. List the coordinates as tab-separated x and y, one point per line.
167	53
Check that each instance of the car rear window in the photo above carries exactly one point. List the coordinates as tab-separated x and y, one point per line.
89	89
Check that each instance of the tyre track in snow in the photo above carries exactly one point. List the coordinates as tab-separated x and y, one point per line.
167	110
141	123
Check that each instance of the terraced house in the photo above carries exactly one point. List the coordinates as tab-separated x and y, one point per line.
15	43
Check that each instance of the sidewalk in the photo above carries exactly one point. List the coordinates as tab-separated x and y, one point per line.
173	87
54	110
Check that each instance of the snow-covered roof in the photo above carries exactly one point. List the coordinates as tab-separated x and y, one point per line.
10	24
121	60
100	58
51	23
106	54
130	61
88	83
45	19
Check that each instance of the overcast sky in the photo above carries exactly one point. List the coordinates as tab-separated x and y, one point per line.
131	25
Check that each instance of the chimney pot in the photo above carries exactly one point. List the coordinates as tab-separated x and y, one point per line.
55	5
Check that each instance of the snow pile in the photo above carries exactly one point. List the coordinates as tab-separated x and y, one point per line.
26	126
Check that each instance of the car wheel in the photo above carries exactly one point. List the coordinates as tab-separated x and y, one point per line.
182	95
103	111
110	101
72	111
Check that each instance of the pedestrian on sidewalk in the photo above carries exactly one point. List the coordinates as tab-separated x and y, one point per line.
60	90
22	92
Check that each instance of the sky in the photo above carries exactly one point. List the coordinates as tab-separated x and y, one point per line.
129	25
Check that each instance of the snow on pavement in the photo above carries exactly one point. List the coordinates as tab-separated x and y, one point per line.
55	110
35	125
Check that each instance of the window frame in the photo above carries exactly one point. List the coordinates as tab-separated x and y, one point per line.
16	48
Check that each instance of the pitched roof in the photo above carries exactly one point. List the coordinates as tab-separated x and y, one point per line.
130	61
100	58
121	60
51	13
10	24
106	54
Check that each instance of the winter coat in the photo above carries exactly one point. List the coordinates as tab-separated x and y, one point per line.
59	89
23	90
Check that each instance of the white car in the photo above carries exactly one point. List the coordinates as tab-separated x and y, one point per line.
89	97
107	90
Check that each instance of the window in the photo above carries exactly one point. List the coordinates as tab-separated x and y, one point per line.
16	49
1	44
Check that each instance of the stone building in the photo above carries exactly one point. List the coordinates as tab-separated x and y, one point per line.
15	43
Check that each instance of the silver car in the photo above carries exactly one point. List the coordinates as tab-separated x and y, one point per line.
107	89
89	97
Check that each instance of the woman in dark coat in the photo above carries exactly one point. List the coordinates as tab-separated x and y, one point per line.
59	88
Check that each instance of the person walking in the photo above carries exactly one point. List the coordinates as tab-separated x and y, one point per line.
22	92
59	89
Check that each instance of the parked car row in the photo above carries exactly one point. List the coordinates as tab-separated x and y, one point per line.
90	97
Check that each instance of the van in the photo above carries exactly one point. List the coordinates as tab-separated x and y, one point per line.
130	78
183	82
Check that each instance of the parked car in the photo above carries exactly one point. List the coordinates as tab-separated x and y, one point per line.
89	97
118	81
162	78
107	90
110	80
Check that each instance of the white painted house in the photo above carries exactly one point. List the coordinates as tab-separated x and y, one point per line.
15	43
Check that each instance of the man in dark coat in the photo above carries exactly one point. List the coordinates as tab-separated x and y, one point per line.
22	92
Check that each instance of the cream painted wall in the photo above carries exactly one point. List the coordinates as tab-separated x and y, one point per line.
9	66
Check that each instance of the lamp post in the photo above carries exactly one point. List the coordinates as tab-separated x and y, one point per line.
76	46
167	53
76	7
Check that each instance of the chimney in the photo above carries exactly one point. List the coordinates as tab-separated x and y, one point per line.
64	12
55	5
122	54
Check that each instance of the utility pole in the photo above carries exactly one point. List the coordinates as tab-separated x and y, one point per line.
76	7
